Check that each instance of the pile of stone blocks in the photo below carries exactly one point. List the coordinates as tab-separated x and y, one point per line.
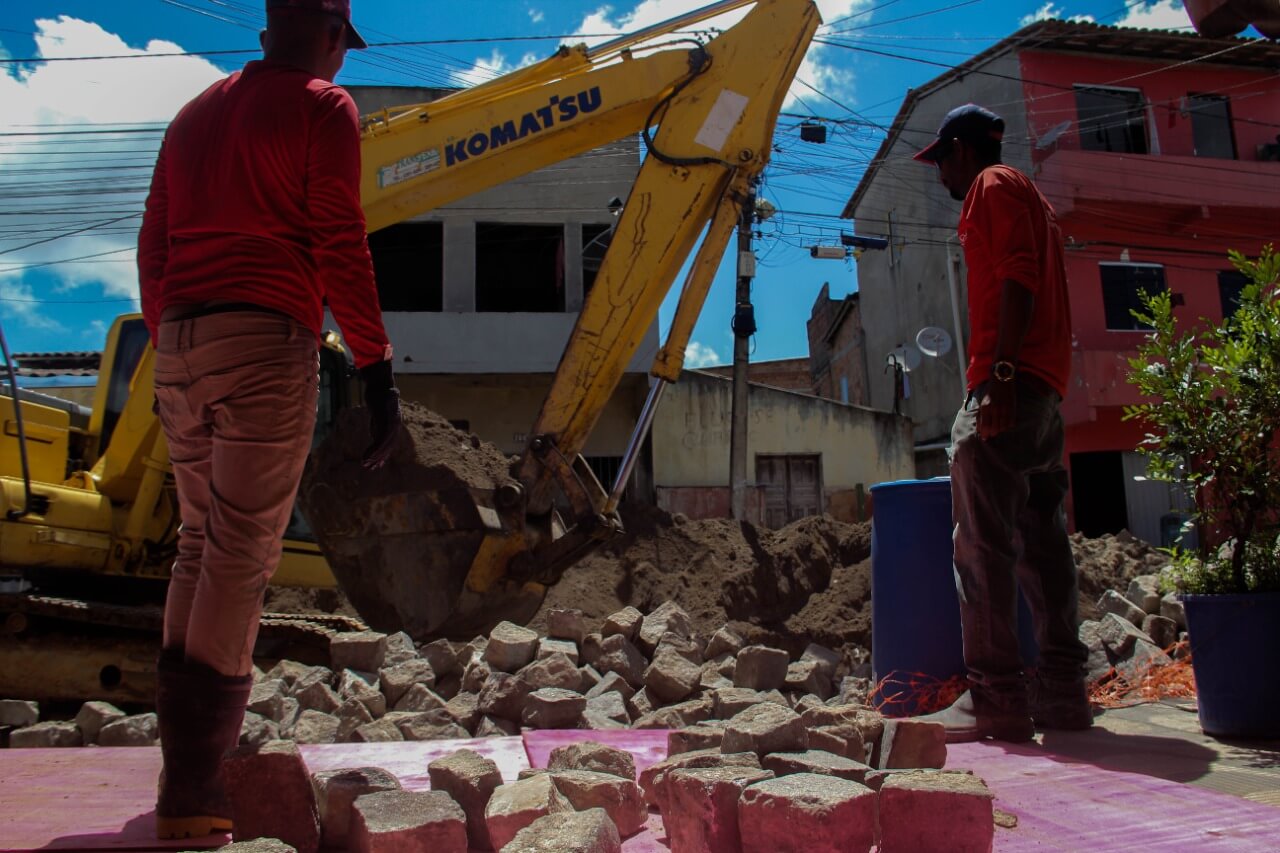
97	724
1138	631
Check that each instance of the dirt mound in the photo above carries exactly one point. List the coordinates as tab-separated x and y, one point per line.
809	581
1110	562
302	600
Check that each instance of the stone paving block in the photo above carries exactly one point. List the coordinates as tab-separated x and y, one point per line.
619	655
706	735
625	623
553	708
807	677
876	778
408	822
731	701
912	743
672	676
135	730
257	845
515	805
590	755
816	761
1134	664
497	727
724	641
678	716
400	648
364	687
555	670
470	779
668	616
868	722
503	696
418	697
855	689
1116	604
549	646
568	832
590	649
843	741
464	709
763	729
642	703
46	736
360	650
441	656
703	807
318	696
379	731
271	795
1171	607
396	680
935	811
257	729
653	779
351	715
1162	630
810	812
297	676
1144	593
475	674
267	698
611	682
336	792
621	798
510	647
315	727
588	677
828	660
608	706
430	725
761	668
19	713
565	623
91	718
688	647
712	680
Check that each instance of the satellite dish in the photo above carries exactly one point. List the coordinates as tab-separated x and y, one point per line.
1053	134
933	341
906	355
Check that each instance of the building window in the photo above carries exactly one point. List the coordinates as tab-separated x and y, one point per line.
1211	126
595	242
1121	286
1230	284
408	263
1112	119
844	389
519	268
792	487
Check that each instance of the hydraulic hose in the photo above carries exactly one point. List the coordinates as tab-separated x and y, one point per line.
14	514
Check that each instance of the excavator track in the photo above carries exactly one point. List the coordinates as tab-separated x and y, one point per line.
67	649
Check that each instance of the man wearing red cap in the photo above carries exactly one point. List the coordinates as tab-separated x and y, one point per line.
1008	483
252	225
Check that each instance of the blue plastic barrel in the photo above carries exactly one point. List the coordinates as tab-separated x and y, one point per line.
915	609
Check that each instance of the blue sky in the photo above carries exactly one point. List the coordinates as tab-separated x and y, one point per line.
70	195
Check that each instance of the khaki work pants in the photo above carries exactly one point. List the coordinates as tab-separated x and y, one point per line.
237	400
1007	496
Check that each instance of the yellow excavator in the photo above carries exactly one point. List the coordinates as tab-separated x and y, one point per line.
93	498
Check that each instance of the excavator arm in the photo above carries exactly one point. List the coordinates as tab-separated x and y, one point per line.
715	106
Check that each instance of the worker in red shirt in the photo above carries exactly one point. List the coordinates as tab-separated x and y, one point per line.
1008	482
253	223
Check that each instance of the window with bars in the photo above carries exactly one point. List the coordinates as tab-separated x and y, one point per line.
1122	285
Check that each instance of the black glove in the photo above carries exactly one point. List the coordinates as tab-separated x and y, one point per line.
383	401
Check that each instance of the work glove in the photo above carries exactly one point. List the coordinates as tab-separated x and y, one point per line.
383	402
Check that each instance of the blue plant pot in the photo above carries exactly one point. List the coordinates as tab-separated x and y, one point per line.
1234	639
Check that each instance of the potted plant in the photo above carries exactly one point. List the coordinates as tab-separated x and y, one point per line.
1214	414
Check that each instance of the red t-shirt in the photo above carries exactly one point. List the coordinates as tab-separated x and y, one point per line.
1010	232
256	198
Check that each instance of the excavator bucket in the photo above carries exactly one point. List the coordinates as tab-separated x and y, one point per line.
402	540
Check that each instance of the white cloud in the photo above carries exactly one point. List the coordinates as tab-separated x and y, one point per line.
58	97
699	355
484	70
1159	15
815	69
1051	10
536	15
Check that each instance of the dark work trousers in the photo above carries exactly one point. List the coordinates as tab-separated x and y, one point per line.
1007	498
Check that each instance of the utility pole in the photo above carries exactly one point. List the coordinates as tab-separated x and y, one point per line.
744	326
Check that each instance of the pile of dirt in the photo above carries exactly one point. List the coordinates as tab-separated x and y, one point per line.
1110	562
807	582
302	600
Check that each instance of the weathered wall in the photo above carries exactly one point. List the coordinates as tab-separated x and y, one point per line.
691	435
790	374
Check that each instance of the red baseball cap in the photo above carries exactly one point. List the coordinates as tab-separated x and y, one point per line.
338	8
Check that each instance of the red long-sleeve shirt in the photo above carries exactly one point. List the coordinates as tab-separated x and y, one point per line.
1010	233
256	198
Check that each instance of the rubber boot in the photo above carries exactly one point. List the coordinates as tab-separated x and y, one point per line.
978	715
200	713
1062	705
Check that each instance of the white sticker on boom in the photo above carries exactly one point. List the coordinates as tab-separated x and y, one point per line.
724	115
410	167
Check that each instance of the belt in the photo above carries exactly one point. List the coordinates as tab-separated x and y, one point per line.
194	311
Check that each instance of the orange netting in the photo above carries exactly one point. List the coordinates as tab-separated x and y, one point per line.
914	693
1168	681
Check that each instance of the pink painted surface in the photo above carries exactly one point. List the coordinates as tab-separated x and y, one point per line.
104	799
1064	805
